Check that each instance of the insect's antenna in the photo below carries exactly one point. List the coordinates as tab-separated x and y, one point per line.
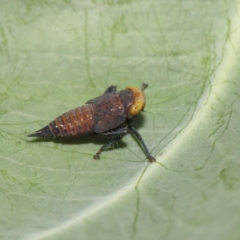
144	86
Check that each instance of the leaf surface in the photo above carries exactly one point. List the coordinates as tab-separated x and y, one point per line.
55	56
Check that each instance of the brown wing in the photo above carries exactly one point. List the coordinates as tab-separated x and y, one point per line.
110	112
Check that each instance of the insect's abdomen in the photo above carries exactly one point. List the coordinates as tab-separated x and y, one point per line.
76	122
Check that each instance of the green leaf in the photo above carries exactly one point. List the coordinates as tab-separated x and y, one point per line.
55	56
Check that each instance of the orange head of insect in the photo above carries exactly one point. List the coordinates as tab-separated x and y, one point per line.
139	100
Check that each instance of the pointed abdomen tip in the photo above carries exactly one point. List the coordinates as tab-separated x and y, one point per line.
42	133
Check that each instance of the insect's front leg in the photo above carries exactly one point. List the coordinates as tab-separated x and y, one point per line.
139	137
115	136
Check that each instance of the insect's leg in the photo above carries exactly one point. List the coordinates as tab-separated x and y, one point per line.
104	147
139	137
118	134
111	89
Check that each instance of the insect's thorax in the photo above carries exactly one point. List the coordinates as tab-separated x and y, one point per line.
127	97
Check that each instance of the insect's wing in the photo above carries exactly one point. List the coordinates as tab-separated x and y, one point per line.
110	112
107	123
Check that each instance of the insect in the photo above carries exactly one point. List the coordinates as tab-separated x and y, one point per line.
109	115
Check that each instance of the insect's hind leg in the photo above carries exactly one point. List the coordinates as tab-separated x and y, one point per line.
139	137
104	147
115	136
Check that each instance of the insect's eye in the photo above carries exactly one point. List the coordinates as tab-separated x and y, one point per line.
136	108
139	101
